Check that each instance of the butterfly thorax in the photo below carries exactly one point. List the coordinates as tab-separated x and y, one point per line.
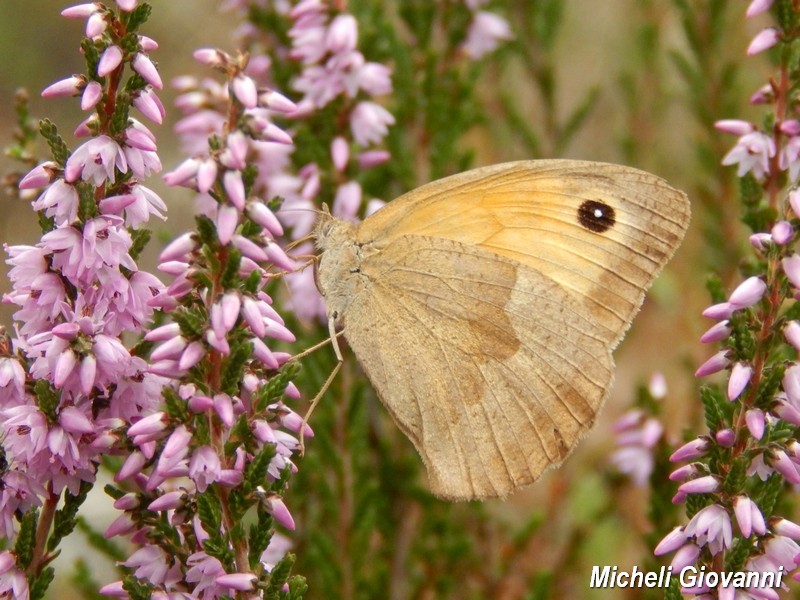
338	268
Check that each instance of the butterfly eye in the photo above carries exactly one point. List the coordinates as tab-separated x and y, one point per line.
596	216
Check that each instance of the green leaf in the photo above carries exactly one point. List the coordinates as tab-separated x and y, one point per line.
737	477
738	553
713	400
768	496
140	239
278	577
297	587
210	511
136	589
58	148
174	405
65	517
26	538
255	473
259	537
230	278
233	368
47	399
137	17
40	584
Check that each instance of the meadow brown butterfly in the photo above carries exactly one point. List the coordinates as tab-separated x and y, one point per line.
484	308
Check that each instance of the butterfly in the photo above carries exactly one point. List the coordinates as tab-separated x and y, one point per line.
484	308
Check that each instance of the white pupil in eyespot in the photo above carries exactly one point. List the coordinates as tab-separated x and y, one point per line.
598	213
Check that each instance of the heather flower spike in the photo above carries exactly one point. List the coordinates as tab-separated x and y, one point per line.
74	390
752	423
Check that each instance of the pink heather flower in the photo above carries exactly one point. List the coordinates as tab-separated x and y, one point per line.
786	528
782	551
716	363
342	34
204	467
760	241
791	383
237	581
684	473
226	222
690	450
748	516
71	86
790	157
792	333
60	202
277	102
782	231
261	214
791	266
781	462
758	466
748	293
485	33
144	66
13	582
671	542
169	501
757	7
340	153
40	176
245	91
794	201
151	564
372	158
193	354
711	526
754	418
277	508
81	11
347	201
96	24
752	153
369	123
740	377
234	187
718	332
723	310
764	40
685	556
109	60
97	161
726	438
735	126
702	485
149	104
206	175
657	386
91	95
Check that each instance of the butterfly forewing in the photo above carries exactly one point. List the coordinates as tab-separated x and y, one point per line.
601	231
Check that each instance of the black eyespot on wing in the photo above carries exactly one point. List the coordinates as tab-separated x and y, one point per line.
596	216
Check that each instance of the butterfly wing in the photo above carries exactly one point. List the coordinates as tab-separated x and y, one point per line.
601	231
491	368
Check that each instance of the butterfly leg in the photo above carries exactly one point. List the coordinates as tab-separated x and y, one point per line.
333	339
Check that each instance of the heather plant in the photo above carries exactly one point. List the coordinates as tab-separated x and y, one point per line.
190	419
741	471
